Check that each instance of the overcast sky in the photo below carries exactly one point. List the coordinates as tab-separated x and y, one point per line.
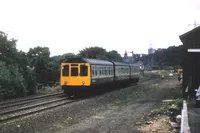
71	25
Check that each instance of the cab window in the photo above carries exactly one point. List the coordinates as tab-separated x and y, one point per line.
65	70
74	71
84	70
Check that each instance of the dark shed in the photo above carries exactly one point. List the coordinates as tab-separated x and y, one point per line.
191	66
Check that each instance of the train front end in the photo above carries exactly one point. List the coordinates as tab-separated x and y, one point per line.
74	76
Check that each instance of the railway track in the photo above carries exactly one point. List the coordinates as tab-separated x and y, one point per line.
7	114
16	102
29	102
17	113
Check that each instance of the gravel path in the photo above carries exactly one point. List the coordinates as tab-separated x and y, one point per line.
112	112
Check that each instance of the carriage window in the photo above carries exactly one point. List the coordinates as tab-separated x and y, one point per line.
103	71
93	72
100	71
106	70
65	70
84	70
74	71
111	71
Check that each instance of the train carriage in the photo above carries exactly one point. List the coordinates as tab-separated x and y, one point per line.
80	74
122	71
135	72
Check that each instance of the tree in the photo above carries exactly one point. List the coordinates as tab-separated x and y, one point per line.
38	59
164	58
93	52
114	55
12	66
67	56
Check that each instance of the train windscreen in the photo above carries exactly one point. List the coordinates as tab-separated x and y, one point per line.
65	70
74	71
84	70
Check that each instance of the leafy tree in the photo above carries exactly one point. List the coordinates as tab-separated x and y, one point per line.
100	53
13	69
38	58
114	55
165	58
93	52
67	56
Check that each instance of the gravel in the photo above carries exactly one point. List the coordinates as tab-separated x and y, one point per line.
116	111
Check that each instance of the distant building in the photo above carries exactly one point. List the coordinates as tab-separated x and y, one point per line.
151	51
131	59
128	59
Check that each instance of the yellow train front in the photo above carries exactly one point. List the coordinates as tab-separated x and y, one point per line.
80	74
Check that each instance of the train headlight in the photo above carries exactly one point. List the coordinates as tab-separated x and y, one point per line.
83	83
65	82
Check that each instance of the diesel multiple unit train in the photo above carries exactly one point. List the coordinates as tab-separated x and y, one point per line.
80	74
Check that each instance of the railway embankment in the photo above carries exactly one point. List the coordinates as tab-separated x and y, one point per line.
118	111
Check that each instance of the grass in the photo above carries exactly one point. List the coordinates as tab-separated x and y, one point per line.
171	109
49	89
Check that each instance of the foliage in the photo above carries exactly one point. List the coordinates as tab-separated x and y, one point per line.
13	69
93	52
100	53
38	59
170	58
114	55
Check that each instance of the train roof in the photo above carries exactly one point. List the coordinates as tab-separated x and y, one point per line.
87	60
98	62
120	63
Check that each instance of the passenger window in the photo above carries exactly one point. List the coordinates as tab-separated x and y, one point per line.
106	71
74	71
84	70
95	72
100	71
65	70
92	72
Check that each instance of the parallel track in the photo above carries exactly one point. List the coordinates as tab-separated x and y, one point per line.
29	101
17	113
32	109
26	99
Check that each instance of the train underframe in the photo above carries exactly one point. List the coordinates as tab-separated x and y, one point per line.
78	91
